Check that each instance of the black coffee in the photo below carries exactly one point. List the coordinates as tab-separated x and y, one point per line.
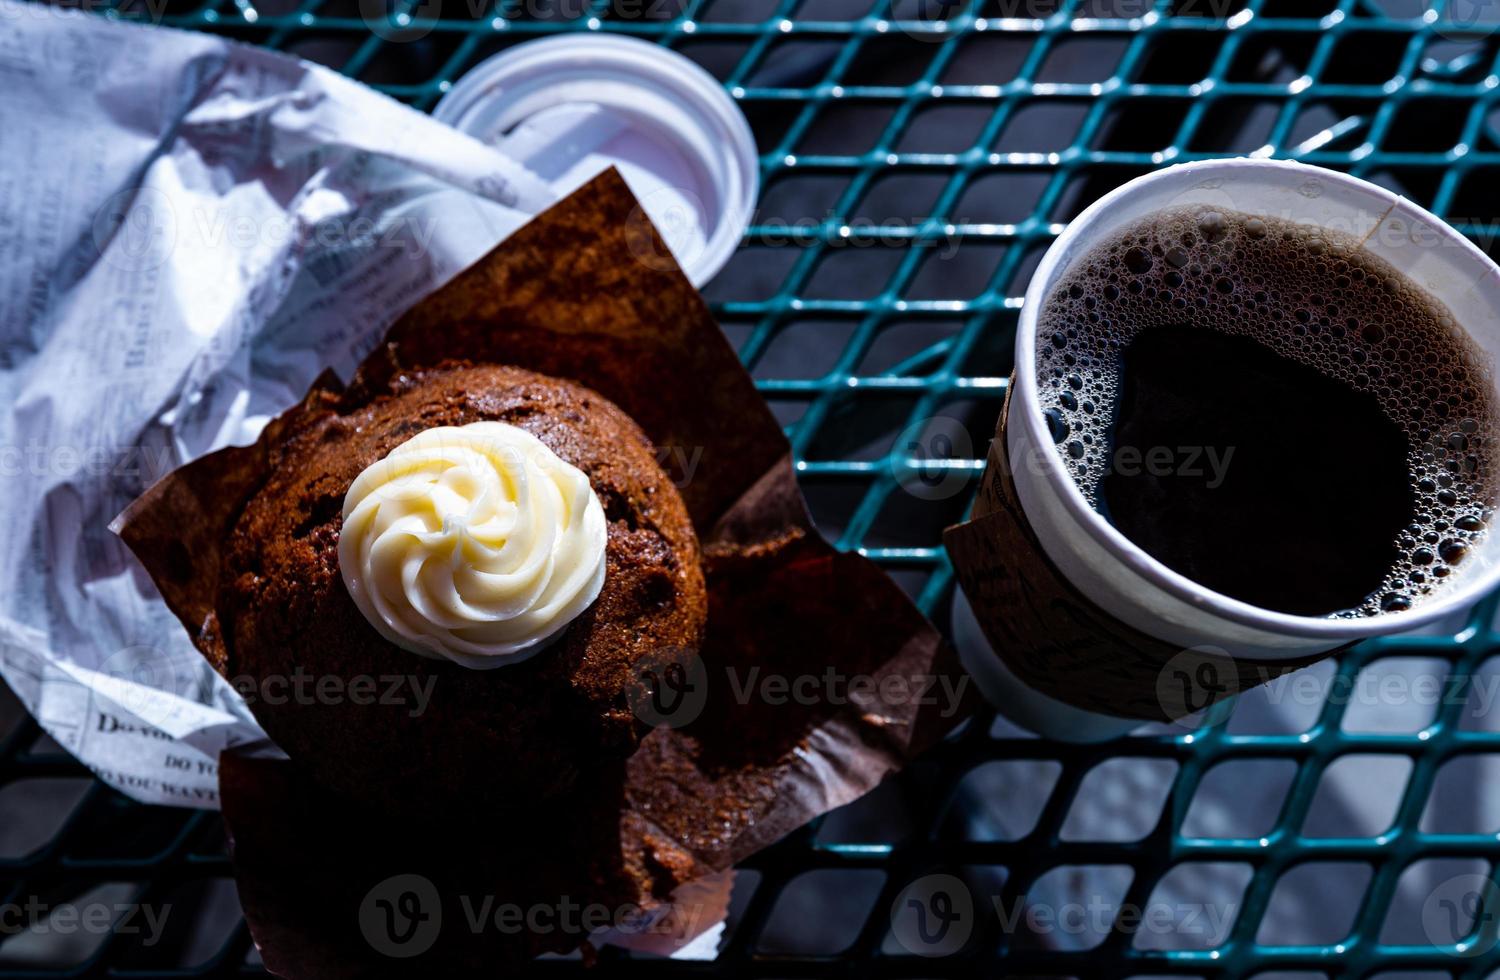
1272	411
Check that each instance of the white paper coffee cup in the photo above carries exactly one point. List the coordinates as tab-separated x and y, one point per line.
1114	573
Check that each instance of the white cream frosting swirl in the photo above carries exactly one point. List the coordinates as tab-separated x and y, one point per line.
473	543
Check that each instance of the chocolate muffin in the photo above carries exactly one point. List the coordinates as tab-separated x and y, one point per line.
369	716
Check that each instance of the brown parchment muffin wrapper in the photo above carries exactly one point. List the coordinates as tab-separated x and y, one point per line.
588	292
1057	641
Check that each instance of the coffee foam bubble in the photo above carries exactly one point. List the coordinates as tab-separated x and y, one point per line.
1311	295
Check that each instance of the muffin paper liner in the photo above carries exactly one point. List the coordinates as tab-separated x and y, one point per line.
587	291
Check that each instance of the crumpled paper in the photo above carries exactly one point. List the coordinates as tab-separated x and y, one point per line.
191	231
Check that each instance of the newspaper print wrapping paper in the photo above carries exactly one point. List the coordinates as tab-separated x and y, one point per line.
191	230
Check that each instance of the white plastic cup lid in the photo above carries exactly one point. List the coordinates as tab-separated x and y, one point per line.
570	107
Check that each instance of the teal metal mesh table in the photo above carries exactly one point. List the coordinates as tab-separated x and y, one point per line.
918	156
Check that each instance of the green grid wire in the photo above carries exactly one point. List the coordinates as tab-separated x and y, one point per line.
876	294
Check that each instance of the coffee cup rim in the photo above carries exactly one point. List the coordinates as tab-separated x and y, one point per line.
1461	596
